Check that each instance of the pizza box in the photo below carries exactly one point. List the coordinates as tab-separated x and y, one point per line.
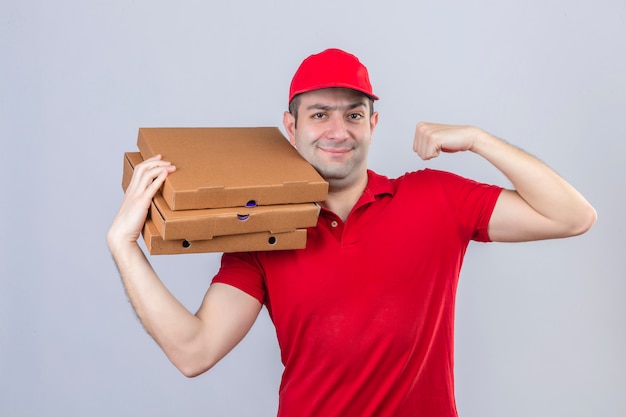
231	167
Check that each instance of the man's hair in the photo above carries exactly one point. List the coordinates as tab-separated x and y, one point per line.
294	105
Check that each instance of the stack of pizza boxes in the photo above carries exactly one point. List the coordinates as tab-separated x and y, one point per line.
234	189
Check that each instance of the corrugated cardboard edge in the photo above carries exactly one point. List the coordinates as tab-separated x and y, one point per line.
131	159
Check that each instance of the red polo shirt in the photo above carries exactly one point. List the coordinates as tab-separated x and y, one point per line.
365	314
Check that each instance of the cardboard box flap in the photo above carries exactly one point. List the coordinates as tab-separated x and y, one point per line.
231	167
207	223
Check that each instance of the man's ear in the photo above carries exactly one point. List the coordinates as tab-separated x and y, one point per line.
373	121
290	126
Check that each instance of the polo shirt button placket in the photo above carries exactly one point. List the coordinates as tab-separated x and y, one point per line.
336	229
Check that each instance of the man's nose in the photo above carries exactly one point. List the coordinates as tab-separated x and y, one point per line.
337	128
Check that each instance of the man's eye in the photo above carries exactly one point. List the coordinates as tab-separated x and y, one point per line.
318	115
355	116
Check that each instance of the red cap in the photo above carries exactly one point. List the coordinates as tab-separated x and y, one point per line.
331	68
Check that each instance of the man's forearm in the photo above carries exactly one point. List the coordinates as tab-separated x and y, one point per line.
171	325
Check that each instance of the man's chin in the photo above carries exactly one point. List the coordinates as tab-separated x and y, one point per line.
333	173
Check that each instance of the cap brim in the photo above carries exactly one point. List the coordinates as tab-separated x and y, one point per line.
334	85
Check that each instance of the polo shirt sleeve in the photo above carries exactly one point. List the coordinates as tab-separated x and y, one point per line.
471	203
242	271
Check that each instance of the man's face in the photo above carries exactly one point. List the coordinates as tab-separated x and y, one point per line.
334	132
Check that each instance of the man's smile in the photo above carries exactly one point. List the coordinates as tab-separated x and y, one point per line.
334	150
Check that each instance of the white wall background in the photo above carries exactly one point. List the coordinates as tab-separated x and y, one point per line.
540	327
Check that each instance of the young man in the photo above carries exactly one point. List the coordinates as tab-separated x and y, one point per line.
364	315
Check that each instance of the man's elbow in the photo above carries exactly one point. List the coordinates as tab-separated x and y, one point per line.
191	372
192	369
584	220
192	363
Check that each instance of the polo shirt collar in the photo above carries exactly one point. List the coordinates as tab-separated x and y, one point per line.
377	185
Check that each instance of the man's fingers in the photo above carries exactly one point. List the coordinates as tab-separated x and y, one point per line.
148	171
431	139
152	163
424	143
158	180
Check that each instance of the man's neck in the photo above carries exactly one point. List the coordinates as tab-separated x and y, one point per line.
342	199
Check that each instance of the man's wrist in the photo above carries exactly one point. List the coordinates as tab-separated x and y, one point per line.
482	141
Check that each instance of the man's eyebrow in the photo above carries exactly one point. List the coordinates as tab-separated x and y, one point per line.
321	107
357	104
327	107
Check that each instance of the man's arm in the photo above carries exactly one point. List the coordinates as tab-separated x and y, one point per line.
542	205
194	343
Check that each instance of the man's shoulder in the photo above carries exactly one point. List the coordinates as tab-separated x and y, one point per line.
425	176
432	175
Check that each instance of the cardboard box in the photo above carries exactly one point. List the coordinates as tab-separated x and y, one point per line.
205	224
263	241
231	167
